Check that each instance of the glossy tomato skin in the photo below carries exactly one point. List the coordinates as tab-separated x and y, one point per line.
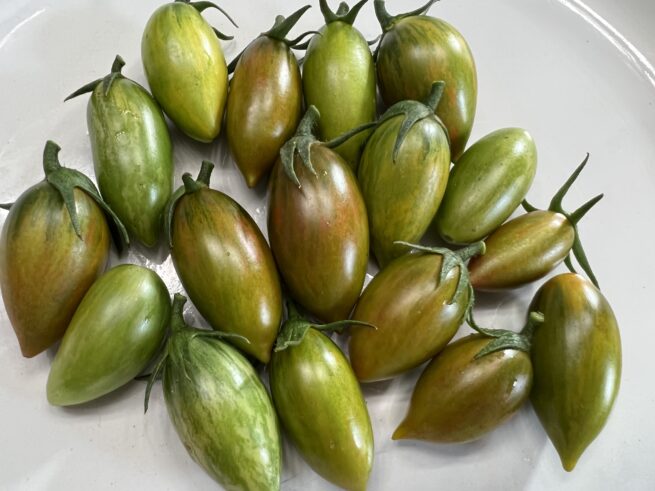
486	185
522	250
339	79
321	407
45	268
410	308
576	355
132	155
222	413
115	332
319	234
459	399
420	50
263	106
227	269
402	197
186	69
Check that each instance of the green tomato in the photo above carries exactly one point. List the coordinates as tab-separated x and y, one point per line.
486	185
186	69
339	79
576	355
322	409
132	152
115	332
54	244
417	50
225	264
219	407
459	398
403	175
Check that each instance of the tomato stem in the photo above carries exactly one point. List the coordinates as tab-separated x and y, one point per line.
387	20
343	14
282	25
65	181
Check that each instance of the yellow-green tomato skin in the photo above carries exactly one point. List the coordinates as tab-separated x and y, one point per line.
132	156
186	70
322	409
486	185
115	332
402	197
339	79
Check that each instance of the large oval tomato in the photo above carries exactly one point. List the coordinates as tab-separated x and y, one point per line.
54	244
132	152
417	50
225	264
576	355
115	332
318	229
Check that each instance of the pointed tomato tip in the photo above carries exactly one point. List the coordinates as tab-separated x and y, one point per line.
401	433
569	464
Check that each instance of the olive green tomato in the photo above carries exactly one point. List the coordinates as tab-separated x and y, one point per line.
522	250
402	196
226	266
186	69
459	398
132	155
115	332
54	244
322	409
413	313
263	106
319	234
222	412
418	50
576	355
486	185
339	79
39	247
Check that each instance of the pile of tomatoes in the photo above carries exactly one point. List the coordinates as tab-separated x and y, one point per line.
341	182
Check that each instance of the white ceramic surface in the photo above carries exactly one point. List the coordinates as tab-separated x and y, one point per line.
576	75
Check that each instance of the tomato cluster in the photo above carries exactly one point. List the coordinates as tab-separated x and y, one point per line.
342	182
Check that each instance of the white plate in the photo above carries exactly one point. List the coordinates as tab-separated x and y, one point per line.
576	75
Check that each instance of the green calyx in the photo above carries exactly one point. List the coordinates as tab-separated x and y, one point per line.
65	180
190	186
387	20
504	339
343	14
413	112
106	81
574	218
295	327
202	6
179	327
454	259
303	140
279	31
